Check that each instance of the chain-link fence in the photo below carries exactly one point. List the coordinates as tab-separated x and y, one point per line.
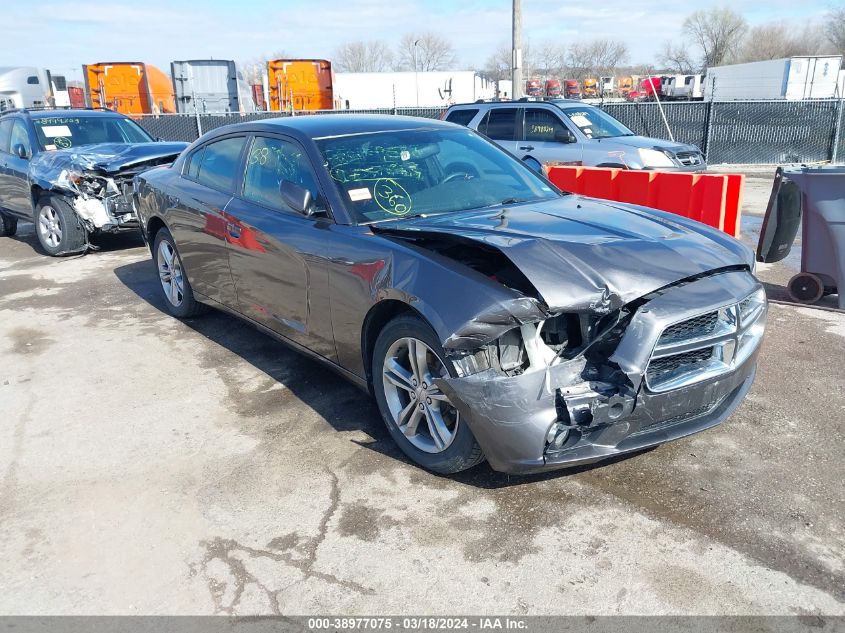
727	131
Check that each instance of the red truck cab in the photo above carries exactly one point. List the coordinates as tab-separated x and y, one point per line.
553	88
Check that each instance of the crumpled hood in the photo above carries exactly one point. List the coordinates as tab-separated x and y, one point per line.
583	254
645	142
107	158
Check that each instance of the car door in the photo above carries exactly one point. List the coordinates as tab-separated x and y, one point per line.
5	137
278	255
197	217
503	126
15	186
545	139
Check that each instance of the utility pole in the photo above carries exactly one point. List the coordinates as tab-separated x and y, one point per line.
516	53
416	74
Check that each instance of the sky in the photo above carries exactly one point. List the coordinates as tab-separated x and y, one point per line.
64	34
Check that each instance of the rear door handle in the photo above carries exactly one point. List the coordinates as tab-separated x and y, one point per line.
527	148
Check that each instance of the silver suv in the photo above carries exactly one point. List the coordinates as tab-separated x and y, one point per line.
567	132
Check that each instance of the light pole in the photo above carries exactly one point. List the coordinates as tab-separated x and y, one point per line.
416	74
516	58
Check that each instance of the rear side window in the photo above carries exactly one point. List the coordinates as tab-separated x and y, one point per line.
5	134
192	164
500	124
461	117
219	164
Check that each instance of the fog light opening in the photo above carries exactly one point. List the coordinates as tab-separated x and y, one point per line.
557	436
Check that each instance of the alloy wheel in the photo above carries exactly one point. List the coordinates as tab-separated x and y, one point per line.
50	226
170	273
421	412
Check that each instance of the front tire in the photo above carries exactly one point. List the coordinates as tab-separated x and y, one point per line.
59	230
178	295
8	225
420	418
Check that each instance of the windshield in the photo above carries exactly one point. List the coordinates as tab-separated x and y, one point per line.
395	174
62	132
595	123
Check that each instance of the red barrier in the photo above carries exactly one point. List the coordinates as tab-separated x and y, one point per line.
714	199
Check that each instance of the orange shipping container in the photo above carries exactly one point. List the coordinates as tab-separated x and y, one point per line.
129	87
300	84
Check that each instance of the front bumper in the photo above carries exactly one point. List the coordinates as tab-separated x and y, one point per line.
511	416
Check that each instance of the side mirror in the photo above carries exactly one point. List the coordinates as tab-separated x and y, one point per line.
297	198
20	151
565	136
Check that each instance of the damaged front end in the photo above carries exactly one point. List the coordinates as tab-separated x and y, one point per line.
97	180
576	387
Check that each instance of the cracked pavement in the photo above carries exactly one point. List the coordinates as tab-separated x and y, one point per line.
158	467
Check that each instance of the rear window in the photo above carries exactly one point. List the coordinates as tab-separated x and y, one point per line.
500	124
461	117
219	164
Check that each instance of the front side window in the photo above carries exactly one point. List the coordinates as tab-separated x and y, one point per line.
270	162
219	164
63	132
542	126
403	173
595	123
500	124
20	137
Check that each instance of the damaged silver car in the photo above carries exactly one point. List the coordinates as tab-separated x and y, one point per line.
490	314
70	172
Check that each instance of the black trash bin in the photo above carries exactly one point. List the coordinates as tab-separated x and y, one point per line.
813	198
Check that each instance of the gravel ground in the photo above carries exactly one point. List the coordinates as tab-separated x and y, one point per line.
154	466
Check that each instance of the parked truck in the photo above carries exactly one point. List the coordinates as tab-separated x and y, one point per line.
553	89
504	90
791	78
608	86
625	85
357	91
533	88
24	87
590	88
210	85
300	84
129	88
571	89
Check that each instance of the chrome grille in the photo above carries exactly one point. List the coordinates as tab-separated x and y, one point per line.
696	327
706	345
689	158
661	367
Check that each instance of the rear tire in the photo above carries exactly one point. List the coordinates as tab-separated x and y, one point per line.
420	418
8	225
59	230
178	295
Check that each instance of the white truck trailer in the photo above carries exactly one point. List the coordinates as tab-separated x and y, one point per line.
791	78
210	85
357	91
25	87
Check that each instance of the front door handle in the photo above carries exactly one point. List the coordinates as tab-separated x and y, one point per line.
527	148
234	230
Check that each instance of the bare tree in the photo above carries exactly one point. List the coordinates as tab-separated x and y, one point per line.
718	33
595	58
675	58
363	57
498	65
778	40
424	52
254	69
835	28
550	58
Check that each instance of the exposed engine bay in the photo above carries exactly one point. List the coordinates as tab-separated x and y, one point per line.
97	179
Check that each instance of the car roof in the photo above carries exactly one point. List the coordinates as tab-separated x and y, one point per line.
326	125
47	113
520	103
